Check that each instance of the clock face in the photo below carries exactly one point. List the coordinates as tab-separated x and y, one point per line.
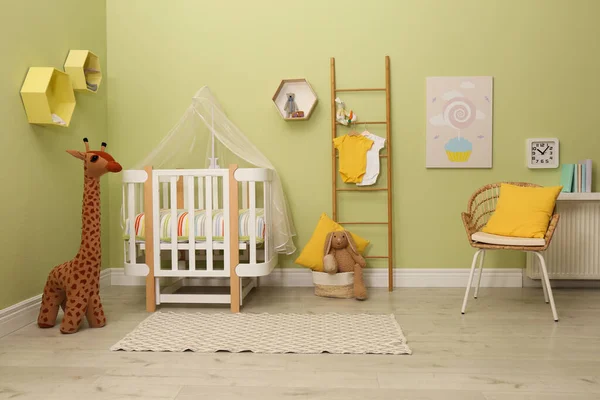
543	153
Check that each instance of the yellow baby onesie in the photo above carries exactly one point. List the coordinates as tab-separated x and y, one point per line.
353	156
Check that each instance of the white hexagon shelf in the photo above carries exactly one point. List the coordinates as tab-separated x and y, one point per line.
304	99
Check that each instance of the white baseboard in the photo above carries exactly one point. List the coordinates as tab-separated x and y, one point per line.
410	277
105	278
118	278
562	283
19	315
26	312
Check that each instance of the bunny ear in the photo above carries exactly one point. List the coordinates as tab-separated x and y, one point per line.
328	240
351	242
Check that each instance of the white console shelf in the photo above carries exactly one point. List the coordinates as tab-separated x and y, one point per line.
579	196
575	249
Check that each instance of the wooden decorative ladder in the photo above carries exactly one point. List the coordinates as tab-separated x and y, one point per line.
388	156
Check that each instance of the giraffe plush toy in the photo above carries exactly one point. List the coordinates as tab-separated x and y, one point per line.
75	285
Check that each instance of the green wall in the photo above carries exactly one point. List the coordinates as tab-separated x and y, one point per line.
40	206
542	53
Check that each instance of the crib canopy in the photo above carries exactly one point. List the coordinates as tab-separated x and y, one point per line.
205	138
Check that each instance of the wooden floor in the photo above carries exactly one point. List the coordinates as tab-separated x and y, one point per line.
507	347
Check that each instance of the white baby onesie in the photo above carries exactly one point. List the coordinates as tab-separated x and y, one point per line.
370	176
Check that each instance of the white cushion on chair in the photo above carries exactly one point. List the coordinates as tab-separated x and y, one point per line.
489	238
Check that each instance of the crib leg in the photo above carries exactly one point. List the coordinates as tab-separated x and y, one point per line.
234	252
157	291
235	289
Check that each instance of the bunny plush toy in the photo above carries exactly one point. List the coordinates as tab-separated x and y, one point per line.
341	256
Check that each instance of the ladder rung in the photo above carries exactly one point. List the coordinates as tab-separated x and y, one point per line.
380	156
361	190
361	90
362	223
366	122
376	257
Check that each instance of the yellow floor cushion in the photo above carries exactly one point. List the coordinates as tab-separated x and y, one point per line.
523	211
312	254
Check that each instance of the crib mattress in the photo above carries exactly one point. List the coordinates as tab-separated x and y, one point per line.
183	221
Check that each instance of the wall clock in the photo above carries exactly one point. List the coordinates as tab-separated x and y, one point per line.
542	153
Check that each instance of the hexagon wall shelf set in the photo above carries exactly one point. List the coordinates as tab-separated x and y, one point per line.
83	67
295	99
48	93
48	96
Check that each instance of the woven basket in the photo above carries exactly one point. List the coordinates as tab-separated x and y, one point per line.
340	285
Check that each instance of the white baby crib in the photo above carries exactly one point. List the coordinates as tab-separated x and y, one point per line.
222	242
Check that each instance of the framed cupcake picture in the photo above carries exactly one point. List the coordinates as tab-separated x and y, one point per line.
459	122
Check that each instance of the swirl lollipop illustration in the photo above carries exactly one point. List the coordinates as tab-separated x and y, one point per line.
459	113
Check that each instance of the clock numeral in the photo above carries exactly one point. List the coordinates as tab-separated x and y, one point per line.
550	147
552	158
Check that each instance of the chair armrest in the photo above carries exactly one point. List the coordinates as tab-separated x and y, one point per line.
551	228
466	219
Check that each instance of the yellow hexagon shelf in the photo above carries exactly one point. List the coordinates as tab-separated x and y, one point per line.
48	97
83	67
295	99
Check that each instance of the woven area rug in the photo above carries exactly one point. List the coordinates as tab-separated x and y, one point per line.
267	333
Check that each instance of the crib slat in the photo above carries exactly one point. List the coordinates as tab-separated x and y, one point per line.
182	192
215	192
140	196
267	207
200	193
226	227
244	194
191	221
252	222
174	223
165	195
209	223
131	219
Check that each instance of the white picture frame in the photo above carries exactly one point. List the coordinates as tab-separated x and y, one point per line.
459	124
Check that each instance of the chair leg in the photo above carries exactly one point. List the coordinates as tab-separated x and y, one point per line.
546	282
480	272
464	306
545	289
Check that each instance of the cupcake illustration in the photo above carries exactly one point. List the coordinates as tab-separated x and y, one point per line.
458	149
459	113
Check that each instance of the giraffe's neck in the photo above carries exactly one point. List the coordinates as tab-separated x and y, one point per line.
90	249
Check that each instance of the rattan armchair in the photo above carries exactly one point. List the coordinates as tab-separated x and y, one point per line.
481	206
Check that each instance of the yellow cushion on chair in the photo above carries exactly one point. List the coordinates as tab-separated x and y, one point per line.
523	211
312	254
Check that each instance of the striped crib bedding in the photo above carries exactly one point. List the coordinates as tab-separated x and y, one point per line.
218	225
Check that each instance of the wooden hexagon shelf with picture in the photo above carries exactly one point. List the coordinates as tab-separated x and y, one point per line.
83	67
48	96
295	99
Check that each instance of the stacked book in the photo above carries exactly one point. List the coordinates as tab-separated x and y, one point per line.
577	178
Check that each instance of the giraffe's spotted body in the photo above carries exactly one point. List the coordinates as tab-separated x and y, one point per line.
74	285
